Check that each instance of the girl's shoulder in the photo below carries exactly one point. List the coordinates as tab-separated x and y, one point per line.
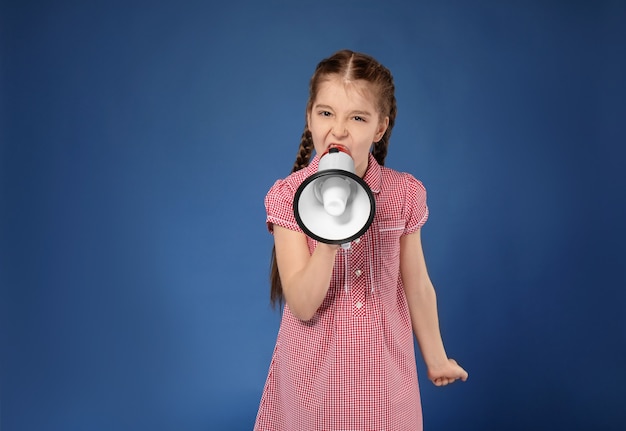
393	180
284	189
403	195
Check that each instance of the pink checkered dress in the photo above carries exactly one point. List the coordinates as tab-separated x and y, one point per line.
351	367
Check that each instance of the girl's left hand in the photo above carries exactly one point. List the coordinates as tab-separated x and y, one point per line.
447	373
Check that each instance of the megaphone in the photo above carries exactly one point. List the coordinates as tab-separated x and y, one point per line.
334	205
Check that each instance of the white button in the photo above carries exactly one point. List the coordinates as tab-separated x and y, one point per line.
359	304
358	240
358	272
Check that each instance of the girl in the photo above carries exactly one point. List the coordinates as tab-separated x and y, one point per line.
344	357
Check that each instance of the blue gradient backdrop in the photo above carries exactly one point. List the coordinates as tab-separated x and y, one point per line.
138	140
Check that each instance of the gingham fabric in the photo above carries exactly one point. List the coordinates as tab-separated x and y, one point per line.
351	367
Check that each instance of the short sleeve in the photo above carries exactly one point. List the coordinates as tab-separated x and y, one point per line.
416	210
279	207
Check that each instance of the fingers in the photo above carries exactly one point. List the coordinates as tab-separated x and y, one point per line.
443	381
457	373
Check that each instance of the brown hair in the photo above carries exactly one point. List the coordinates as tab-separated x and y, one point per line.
350	66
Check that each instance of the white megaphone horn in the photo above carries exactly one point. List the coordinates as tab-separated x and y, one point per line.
334	205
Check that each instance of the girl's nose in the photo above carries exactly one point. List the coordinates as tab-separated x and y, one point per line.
339	130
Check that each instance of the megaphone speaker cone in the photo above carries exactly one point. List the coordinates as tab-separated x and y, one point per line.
345	216
334	194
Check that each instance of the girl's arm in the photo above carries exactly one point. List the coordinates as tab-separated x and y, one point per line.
305	278
422	300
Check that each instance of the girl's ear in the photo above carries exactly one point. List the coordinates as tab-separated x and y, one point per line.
382	128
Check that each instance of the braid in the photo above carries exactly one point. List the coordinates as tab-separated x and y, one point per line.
380	148
304	152
276	287
380	151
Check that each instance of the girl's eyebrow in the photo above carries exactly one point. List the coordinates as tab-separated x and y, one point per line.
361	113
356	112
320	106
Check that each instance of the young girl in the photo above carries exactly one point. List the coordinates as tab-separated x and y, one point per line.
344	357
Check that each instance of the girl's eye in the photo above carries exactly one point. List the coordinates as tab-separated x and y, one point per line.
325	113
357	118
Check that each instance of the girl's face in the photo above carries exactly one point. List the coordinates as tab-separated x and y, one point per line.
345	113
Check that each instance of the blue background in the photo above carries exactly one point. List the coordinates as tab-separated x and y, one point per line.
139	140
